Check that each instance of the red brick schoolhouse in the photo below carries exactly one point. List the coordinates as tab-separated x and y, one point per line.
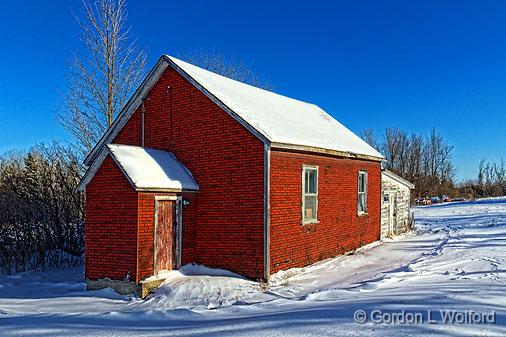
200	168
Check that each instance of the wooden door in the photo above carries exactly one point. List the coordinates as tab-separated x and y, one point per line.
164	236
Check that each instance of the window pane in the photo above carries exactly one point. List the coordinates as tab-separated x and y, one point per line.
361	182
310	207
361	204
306	181
312	181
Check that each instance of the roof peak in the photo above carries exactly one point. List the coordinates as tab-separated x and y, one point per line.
275	119
177	60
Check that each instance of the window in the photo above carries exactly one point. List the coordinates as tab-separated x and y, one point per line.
385	198
362	192
309	194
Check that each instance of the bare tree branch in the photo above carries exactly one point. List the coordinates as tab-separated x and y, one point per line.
103	75
219	63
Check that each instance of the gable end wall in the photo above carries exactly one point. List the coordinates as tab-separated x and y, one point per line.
223	225
403	196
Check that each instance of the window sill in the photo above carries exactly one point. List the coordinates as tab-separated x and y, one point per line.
362	214
310	222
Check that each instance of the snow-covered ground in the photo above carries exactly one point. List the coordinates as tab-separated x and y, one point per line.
456	261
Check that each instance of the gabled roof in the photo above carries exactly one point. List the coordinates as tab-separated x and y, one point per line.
399	179
277	120
146	169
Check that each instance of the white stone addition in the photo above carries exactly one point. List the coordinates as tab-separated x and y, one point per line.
395	204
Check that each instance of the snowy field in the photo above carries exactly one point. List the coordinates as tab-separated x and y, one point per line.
456	261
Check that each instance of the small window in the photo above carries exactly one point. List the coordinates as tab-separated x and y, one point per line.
309	194
362	192
385	197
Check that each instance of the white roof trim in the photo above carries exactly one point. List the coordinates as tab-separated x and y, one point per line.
136	100
146	169
399	179
269	116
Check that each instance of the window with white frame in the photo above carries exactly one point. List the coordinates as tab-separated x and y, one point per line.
309	194
362	192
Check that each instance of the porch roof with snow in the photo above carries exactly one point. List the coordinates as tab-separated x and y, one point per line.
277	120
146	169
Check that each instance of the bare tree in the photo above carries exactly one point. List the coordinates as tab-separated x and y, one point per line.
227	66
395	148
414	158
369	136
104	75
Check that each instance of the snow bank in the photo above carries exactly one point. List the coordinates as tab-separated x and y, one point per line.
199	287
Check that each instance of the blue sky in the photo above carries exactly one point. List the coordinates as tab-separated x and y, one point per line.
408	64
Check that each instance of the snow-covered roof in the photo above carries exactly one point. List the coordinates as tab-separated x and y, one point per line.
399	179
277	120
147	169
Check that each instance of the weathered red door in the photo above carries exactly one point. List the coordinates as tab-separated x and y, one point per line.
164	236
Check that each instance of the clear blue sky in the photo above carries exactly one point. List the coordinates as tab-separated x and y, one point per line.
408	64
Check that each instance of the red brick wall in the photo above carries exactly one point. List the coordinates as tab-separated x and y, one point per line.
339	229
223	225
111	225
131	134
146	235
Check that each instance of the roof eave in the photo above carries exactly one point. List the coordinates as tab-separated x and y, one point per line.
305	148
92	170
166	190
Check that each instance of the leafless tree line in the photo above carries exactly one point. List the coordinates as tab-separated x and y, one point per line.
41	223
425	160
490	182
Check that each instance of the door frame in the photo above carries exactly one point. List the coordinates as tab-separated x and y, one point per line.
392	212
178	229
392	195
